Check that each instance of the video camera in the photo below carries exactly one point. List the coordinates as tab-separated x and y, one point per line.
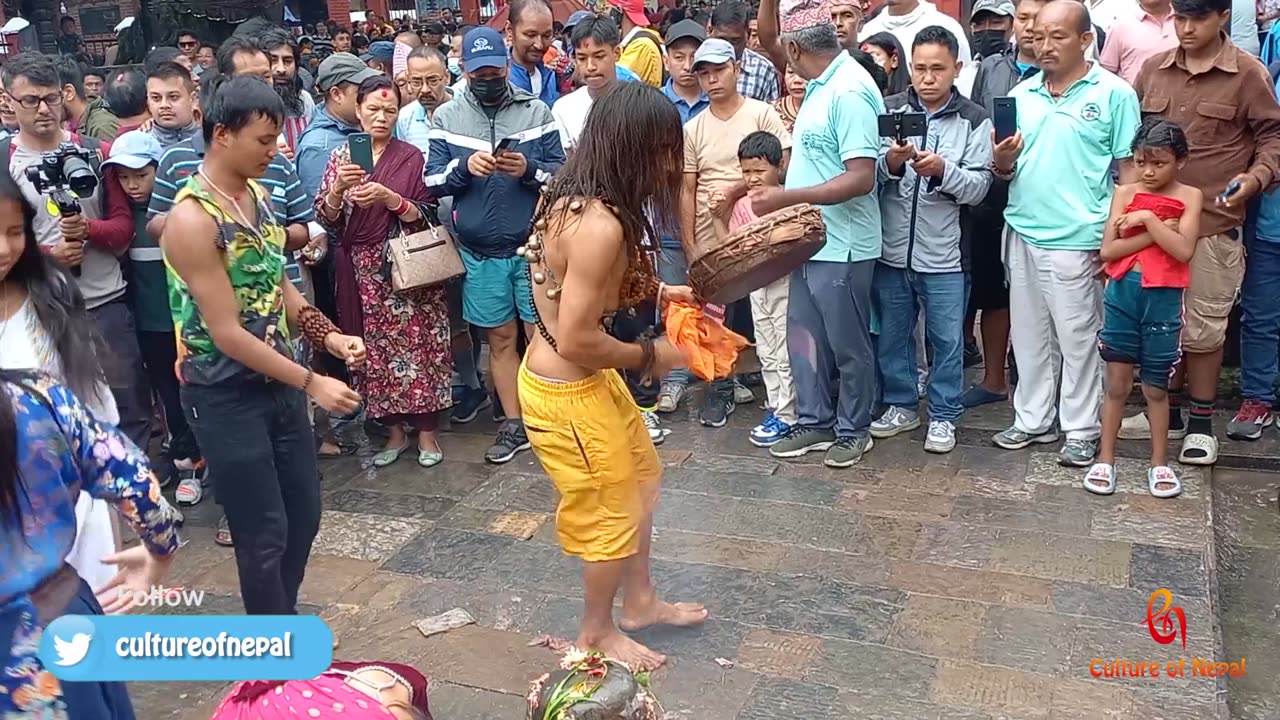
65	175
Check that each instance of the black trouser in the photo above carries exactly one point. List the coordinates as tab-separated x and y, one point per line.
123	368
160	356
256	437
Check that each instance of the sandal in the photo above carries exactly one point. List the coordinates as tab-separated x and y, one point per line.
1199	449
389	456
1163	475
1101	479
344	450
429	458
223	535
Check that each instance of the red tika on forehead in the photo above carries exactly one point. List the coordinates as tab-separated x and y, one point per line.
385	94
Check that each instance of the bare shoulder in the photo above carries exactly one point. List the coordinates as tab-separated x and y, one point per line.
1190	195
591	227
185	227
1125	192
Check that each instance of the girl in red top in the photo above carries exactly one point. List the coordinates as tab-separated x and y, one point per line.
1147	243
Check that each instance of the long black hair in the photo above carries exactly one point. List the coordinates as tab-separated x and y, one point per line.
899	77
60	309
630	156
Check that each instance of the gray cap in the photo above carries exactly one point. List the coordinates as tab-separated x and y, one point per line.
577	17
997	7
685	29
341	68
714	51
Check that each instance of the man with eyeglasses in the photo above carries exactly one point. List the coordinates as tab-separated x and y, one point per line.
89	242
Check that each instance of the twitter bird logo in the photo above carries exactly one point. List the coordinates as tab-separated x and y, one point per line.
67	645
71	653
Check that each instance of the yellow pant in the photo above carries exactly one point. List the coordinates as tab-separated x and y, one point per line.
591	440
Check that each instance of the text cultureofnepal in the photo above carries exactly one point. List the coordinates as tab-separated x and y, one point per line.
155	645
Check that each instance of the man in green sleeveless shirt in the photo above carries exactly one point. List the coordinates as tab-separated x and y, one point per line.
233	307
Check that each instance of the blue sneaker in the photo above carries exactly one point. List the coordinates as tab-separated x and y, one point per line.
769	432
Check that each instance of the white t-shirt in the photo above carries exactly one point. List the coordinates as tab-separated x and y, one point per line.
570	113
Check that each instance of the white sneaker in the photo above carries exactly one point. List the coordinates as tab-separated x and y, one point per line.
1199	449
941	437
895	421
670	396
742	395
657	433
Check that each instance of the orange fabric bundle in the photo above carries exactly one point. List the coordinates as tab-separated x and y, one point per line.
710	349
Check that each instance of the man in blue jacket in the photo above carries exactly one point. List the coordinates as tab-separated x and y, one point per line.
494	195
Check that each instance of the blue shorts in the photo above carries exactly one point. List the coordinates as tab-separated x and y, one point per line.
1141	326
495	290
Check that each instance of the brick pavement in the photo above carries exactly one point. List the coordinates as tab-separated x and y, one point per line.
971	586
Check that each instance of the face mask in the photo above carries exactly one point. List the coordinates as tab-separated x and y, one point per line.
455	66
489	91
989	42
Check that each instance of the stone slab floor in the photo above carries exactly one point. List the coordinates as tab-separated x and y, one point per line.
971	586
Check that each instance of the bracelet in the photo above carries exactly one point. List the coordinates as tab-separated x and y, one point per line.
315	326
995	170
403	207
327	202
307	383
662	288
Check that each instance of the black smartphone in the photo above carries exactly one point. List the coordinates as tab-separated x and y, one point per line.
903	125
1004	116
505	145
361	147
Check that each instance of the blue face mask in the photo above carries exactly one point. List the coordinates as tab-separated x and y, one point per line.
455	66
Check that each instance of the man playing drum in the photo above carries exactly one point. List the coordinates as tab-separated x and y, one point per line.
587	261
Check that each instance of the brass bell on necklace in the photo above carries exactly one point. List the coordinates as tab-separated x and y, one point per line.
522	250
553	293
539	278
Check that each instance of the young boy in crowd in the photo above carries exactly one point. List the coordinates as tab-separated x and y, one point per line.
1147	244
760	159
925	183
136	156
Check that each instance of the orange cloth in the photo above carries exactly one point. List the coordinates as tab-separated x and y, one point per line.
710	349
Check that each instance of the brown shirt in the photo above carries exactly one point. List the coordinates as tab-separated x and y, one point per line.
1231	119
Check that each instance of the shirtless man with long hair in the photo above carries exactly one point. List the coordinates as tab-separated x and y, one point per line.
588	260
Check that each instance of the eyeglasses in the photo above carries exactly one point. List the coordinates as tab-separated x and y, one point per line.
188	44
432	81
31	102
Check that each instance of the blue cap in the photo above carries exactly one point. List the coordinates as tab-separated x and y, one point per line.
577	17
482	48
135	150
383	50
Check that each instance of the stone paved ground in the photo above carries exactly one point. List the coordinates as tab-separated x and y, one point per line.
971	586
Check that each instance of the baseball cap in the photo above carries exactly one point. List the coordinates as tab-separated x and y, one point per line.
341	68
633	9
577	17
685	29
383	50
135	150
997	7
482	48
714	51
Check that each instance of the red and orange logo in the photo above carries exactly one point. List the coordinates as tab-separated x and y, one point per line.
1166	632
1167	624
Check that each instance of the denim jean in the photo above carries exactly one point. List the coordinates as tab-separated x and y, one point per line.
1260	321
674	270
257	439
900	295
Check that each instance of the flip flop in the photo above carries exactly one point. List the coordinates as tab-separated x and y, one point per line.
1163	474
344	450
977	396
223	535
389	456
1101	479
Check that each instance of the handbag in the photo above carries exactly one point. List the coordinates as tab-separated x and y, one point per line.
423	259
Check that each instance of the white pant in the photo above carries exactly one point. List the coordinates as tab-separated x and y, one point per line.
769	315
1055	313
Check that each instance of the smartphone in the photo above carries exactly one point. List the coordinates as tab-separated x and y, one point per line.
903	125
1004	116
1232	188
361	147
505	145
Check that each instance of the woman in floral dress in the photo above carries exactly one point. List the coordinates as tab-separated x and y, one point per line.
407	377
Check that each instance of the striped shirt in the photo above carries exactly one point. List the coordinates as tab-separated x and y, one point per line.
295	124
758	78
289	201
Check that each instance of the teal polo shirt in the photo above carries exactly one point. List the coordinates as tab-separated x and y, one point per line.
837	122
1060	196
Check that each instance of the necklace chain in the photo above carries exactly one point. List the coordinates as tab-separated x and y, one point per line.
236	210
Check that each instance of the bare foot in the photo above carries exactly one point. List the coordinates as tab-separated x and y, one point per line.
617	646
636	616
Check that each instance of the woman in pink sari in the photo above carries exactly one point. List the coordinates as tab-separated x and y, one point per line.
407	377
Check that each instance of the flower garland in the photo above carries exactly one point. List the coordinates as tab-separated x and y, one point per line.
593	667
